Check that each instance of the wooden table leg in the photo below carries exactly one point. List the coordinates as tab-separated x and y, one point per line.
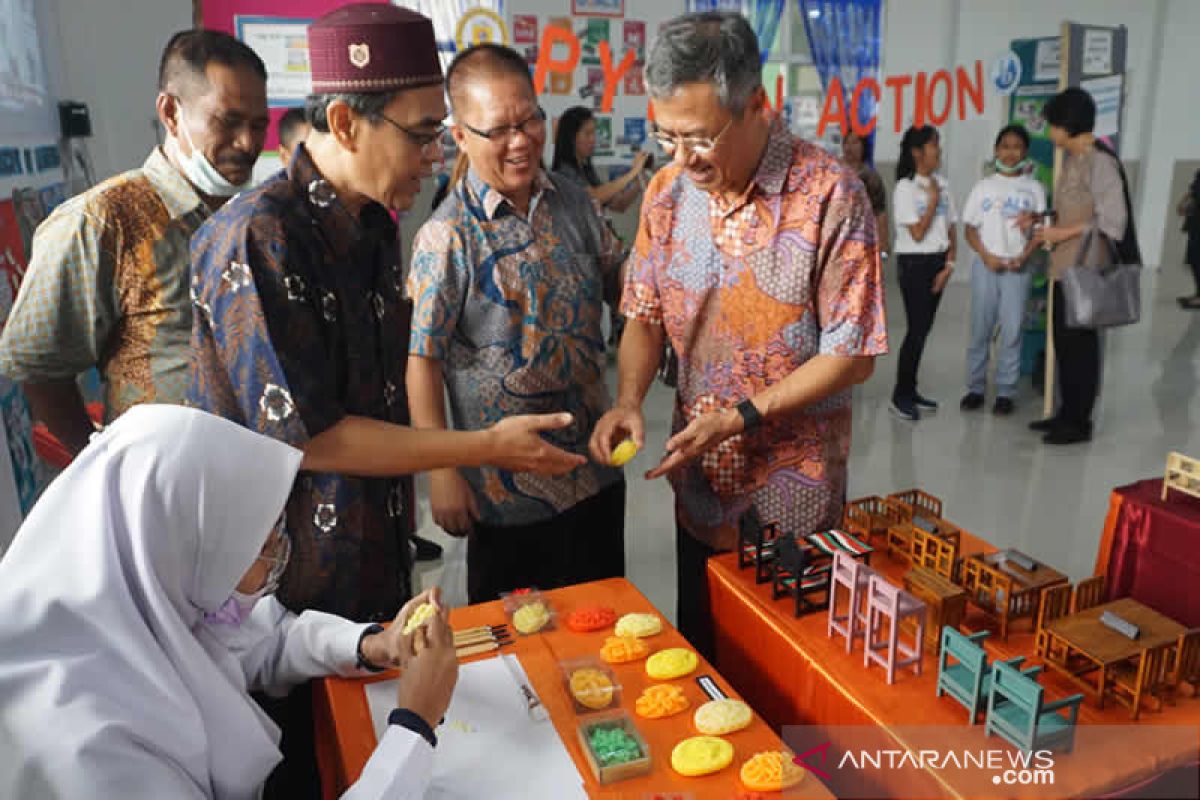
1100	693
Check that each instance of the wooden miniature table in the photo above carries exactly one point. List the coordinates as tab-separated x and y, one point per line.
946	602
1022	595
1085	635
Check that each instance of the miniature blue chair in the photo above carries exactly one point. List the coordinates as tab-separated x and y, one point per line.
1018	714
969	681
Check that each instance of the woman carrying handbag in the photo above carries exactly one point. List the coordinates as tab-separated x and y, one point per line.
1094	231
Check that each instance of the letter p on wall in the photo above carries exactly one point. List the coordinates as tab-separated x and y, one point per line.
546	63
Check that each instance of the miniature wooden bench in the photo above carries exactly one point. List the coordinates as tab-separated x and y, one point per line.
1182	475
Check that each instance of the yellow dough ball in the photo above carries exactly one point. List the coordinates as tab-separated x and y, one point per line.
701	755
674	662
717	717
772	771
639	625
591	688
419	617
623	452
530	618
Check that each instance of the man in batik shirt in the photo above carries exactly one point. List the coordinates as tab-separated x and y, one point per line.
756	259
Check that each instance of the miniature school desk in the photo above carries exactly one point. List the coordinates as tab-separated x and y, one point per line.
793	674
346	736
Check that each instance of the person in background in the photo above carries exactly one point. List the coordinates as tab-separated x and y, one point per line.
999	280
1090	196
574	144
300	330
136	615
1189	209
506	283
107	284
293	128
925	250
756	258
859	154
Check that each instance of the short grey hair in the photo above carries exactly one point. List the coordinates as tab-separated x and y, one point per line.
708	47
370	106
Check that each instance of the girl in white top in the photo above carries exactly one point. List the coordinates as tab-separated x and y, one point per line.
999	282
136	616
923	211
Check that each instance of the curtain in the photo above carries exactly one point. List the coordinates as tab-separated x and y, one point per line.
445	15
764	16
844	38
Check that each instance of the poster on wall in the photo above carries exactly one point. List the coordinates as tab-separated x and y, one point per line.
22	77
525	36
635	132
594	88
1106	93
14	413
1097	51
635	38
604	142
595	32
282	44
560	82
598	8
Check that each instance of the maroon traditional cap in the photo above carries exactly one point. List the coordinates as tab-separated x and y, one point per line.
372	47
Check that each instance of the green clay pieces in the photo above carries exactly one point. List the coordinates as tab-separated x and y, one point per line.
612	745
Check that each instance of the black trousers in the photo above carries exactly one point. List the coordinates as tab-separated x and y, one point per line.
584	543
916	271
693	614
1077	353
296	777
1196	273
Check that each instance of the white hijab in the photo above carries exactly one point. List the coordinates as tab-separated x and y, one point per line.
110	684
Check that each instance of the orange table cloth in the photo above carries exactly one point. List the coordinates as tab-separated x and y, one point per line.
346	736
1150	549
793	674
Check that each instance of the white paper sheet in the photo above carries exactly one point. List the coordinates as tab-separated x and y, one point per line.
488	745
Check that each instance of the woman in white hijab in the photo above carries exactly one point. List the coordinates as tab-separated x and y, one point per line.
130	634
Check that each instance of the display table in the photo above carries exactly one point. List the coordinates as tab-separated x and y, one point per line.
1150	549
346	736
793	674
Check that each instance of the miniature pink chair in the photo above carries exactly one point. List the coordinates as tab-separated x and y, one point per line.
855	576
885	599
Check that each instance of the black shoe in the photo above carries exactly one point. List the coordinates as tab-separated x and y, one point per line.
1003	406
905	409
426	550
925	405
1068	434
972	401
1045	425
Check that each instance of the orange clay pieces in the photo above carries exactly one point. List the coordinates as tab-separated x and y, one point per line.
620	649
591	688
661	700
772	771
592	618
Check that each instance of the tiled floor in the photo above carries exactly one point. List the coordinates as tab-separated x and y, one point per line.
995	476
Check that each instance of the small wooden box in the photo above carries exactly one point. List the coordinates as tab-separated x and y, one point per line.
945	602
616	772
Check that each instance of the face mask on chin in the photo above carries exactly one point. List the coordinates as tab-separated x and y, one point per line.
199	170
1004	169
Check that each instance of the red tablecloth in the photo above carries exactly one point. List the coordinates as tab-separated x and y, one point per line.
1150	549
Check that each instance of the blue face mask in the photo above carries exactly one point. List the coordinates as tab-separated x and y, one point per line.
236	610
199	171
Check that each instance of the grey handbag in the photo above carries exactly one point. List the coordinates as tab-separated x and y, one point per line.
1101	296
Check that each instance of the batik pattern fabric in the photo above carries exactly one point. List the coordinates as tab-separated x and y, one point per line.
747	293
300	323
107	286
511	306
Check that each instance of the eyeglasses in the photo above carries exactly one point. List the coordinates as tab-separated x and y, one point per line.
534	125
278	547
700	145
422	139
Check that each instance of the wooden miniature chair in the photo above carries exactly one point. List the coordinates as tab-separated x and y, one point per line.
795	573
884	599
1185	664
834	541
918	503
990	589
1182	474
1018	713
1088	593
756	545
1056	603
1129	681
934	552
870	516
969	680
855	577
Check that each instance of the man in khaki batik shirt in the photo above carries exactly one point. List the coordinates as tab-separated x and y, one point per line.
107	284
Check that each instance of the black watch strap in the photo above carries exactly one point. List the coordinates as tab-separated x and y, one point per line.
414	722
370	630
750	417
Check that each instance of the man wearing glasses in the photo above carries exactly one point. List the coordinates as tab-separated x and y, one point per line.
506	282
756	259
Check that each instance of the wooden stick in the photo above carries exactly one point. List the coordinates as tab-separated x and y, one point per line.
474	650
462	641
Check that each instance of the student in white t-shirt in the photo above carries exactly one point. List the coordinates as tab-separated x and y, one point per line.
923	211
999	279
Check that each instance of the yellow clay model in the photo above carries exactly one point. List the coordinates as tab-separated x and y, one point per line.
772	771
701	755
718	717
639	625
530	618
672	663
623	452
419	617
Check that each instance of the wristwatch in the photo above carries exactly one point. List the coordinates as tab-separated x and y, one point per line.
362	662
750	417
